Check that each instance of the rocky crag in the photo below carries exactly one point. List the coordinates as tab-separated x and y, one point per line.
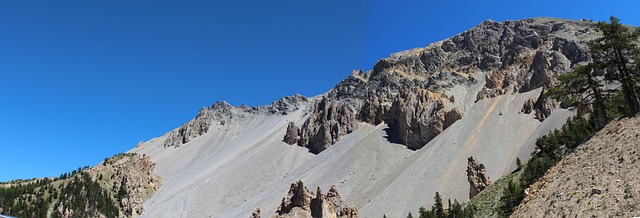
477	176
415	91
132	173
300	202
329	121
599	179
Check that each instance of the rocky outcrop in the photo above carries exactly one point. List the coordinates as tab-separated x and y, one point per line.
419	115
328	122
256	213
542	106
300	202
477	177
285	105
219	111
130	172
292	135
298	197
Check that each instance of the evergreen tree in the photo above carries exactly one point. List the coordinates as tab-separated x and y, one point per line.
582	90
438	208
613	52
512	196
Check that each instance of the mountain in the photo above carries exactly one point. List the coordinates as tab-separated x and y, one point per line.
388	138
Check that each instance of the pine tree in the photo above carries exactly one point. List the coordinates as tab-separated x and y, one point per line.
438	208
582	90
613	52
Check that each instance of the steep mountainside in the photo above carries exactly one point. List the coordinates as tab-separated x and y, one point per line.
600	179
397	133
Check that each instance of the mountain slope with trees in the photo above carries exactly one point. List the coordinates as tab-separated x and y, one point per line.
117	187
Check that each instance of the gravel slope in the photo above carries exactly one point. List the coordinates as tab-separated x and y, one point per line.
600	179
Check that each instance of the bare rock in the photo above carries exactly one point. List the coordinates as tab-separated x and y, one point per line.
199	125
292	135
542	106
297	197
529	106
256	213
287	104
300	202
477	177
419	115
329	122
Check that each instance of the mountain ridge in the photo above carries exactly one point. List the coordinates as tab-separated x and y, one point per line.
448	93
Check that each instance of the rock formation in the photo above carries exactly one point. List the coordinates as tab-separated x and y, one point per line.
542	106
477	177
300	202
292	135
419	115
131	172
329	122
199	125
256	213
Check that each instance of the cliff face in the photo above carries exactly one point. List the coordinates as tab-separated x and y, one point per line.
415	91
329	122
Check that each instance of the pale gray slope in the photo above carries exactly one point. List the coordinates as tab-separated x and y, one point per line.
242	165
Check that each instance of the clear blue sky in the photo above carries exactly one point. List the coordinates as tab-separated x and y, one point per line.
84	80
